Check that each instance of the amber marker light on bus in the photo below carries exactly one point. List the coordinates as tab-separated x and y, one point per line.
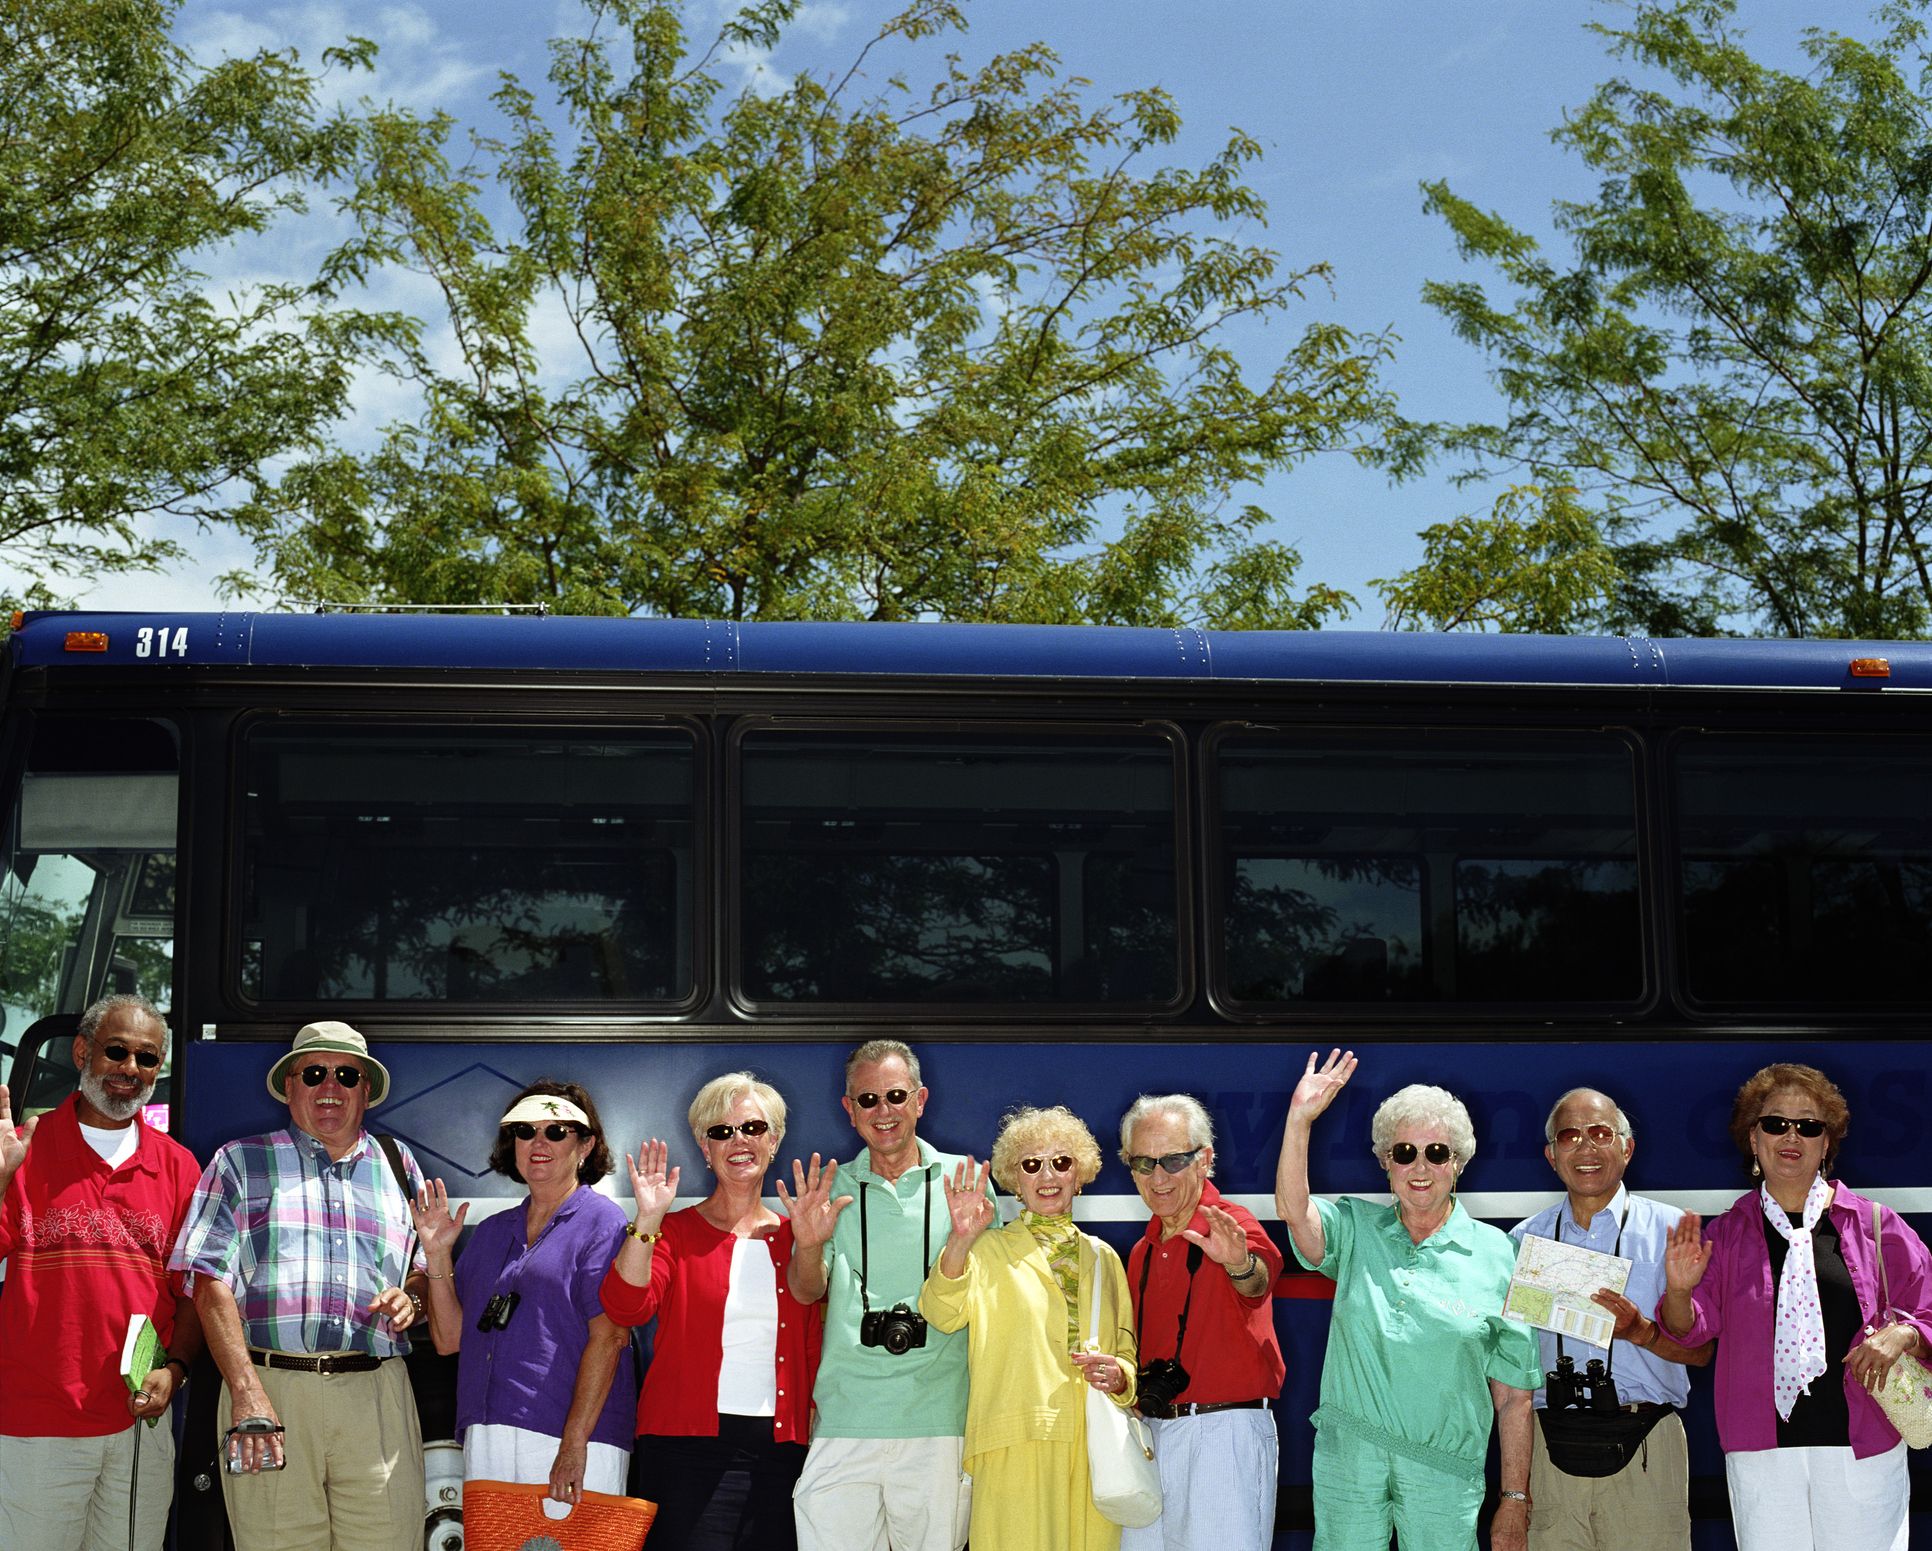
87	640
1871	668
17	620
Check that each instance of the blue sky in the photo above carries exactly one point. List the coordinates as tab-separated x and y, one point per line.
1356	102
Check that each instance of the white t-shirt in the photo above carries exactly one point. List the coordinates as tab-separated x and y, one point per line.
116	1145
748	1372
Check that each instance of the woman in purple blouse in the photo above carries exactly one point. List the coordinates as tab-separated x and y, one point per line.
545	1389
1789	1282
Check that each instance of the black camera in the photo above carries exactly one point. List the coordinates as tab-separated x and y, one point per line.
897	1329
1568	1390
497	1312
1161	1383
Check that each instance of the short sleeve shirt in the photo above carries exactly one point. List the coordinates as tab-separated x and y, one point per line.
1417	1332
865	1391
523	1374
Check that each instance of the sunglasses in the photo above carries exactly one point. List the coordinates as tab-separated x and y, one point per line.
893	1096
556	1131
1060	1163
1574	1136
314	1076
1403	1153
724	1133
1173	1162
1777	1125
147	1060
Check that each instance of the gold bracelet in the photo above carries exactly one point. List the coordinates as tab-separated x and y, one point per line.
439	1276
630	1231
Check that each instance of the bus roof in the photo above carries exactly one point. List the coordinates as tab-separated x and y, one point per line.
556	643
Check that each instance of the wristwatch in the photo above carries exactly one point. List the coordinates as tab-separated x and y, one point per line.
1514	1497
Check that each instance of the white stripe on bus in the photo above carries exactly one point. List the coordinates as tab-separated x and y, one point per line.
1493	1206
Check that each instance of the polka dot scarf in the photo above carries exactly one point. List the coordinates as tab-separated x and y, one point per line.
1798	1338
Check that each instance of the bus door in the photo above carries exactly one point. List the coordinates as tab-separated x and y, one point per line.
87	893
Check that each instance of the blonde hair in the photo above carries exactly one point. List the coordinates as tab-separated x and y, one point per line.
716	1097
1029	1132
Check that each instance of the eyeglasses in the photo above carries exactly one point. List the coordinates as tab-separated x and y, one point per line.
556	1131
724	1133
147	1060
893	1096
1172	1162
1777	1125
1060	1163
314	1076
1403	1153
1574	1136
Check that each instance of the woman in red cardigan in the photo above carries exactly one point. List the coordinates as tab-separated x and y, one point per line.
726	1407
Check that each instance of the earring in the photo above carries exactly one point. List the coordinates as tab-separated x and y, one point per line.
1756	1172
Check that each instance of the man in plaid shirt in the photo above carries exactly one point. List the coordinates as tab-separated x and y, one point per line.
297	1250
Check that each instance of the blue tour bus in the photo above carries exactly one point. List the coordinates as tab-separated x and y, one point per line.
1070	865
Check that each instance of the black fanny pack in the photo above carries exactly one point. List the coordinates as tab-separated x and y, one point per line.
1596	1443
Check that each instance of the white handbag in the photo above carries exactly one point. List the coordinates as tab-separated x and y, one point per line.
1906	1397
1121	1472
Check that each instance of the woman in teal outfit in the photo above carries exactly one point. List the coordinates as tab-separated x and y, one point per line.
1420	1359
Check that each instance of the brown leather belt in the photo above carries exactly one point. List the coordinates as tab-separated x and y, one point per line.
1167	1413
324	1362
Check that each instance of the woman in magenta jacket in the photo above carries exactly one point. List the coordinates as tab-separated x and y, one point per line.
725	1411
1789	1282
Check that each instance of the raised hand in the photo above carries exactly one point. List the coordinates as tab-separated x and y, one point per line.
434	1226
1318	1087
1225	1242
1686	1254
812	1209
653	1187
13	1144
967	1203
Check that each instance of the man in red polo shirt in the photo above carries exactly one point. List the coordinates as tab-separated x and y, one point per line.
1210	1366
90	1201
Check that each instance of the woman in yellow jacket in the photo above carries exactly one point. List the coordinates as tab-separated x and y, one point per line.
1027	1291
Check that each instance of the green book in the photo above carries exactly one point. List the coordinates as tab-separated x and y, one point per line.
141	1354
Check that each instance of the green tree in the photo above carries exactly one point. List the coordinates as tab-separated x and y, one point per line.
1733	362
1536	564
127	391
956	351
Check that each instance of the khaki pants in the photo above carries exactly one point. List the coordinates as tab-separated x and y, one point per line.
71	1494
1644	1507
354	1478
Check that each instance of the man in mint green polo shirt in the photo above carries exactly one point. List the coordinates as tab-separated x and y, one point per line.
884	1471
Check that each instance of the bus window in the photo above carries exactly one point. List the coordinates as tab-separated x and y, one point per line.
985	868
517	864
87	897
1805	869
1375	868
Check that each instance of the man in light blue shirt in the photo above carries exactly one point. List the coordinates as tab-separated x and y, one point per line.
885	1470
1644	1506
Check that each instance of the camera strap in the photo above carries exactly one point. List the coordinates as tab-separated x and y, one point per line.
1194	1258
1610	1363
865	1248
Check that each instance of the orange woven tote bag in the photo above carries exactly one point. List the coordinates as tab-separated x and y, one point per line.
506	1516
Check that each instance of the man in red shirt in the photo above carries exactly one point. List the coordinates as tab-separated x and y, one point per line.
88	1213
1210	1366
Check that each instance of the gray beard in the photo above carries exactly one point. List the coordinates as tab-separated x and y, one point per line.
94	1088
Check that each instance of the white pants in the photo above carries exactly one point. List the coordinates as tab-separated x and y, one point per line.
1819	1500
1218	1476
71	1494
883	1494
493	1452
